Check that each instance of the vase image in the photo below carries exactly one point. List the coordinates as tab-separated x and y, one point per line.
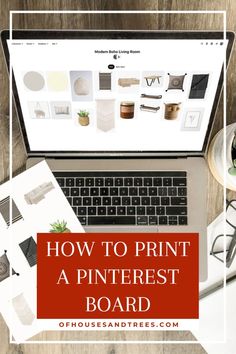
81	86
172	110
83	118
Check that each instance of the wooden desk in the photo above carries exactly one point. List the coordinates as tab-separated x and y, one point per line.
99	21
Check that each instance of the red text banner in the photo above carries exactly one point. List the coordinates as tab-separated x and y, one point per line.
128	276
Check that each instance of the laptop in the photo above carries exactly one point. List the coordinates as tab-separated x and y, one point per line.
123	119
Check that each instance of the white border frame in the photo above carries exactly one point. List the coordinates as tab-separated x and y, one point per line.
222	12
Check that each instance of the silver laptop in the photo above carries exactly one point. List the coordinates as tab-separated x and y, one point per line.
123	120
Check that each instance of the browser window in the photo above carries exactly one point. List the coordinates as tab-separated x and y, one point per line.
116	94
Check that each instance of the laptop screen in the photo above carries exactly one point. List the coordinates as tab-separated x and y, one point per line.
93	95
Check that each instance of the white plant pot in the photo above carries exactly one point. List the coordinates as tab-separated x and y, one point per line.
216	157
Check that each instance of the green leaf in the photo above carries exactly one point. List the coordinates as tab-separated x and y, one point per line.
58	226
232	171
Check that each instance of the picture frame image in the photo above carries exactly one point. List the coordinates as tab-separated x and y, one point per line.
192	119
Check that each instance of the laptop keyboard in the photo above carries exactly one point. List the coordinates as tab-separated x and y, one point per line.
126	198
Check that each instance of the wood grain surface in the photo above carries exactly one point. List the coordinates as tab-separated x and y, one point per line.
108	21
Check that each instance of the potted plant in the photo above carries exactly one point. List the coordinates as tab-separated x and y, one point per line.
232	170
59	227
83	117
216	156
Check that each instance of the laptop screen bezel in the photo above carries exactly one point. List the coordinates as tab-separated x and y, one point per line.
107	34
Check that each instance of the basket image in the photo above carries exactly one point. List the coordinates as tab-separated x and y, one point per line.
172	110
83	118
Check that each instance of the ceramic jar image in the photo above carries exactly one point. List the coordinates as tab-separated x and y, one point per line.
127	109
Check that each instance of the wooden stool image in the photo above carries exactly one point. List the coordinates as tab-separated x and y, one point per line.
171	110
